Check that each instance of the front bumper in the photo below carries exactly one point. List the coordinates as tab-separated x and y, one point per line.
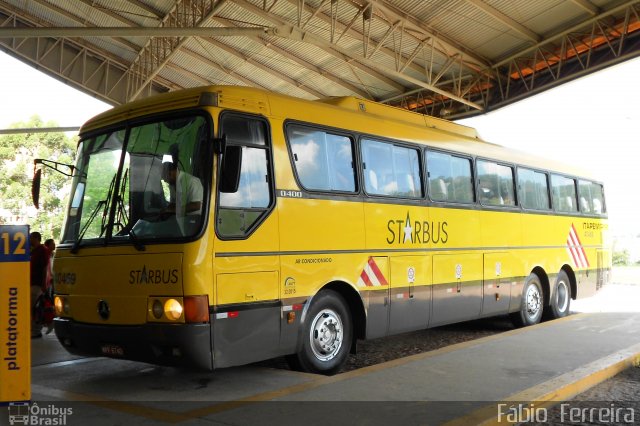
166	344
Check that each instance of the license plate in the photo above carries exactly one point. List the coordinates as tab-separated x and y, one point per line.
112	350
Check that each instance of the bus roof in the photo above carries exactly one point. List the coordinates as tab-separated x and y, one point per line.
350	113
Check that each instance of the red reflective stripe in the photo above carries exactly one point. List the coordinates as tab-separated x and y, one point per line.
576	260
233	314
575	234
582	254
366	279
376	271
297	307
578	253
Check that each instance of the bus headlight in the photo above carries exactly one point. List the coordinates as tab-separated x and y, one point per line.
166	309
157	309
173	309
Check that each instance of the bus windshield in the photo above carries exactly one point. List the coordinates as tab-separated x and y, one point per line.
141	182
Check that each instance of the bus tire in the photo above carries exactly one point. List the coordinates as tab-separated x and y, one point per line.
561	301
327	335
532	304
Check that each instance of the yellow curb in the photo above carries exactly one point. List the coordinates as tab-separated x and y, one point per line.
561	388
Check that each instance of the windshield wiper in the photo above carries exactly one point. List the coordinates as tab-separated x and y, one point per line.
76	245
105	212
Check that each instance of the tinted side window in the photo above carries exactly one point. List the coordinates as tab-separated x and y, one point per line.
597	197
240	211
450	178
564	193
591	197
534	190
391	170
323	161
496	184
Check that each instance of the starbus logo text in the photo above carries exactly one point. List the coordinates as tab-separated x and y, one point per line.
406	231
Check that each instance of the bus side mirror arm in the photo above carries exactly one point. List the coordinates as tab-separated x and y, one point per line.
38	165
220	144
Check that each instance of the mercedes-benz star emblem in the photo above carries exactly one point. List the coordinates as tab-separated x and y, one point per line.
103	309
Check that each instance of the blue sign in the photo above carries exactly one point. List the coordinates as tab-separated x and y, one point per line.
14	243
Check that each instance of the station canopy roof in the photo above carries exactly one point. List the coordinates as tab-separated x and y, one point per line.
451	58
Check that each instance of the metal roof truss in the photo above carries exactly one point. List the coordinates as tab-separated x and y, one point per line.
373	49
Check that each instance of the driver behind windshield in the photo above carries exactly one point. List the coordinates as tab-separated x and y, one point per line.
185	191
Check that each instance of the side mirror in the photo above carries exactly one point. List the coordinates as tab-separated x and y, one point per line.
37	175
35	188
230	166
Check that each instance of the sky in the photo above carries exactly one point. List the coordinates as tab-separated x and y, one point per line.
26	91
592	122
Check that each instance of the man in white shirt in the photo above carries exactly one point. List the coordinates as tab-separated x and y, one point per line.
185	191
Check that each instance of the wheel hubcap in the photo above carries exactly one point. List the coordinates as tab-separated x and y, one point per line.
326	335
533	301
562	296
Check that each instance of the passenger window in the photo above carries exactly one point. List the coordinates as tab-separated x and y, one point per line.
591	197
391	170
564	194
597	197
239	212
323	161
534	189
496	184
449	178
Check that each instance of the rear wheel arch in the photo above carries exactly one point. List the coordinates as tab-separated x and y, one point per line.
572	280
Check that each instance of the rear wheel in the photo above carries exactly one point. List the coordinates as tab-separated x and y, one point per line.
532	303
326	336
561	301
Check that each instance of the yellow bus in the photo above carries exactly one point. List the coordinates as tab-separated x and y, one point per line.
219	226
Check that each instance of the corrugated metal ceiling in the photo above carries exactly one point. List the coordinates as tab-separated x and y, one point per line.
448	52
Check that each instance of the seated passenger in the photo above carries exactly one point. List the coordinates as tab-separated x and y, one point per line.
584	205
438	189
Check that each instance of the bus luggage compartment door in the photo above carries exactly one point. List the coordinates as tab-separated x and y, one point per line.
410	293
457	288
497	284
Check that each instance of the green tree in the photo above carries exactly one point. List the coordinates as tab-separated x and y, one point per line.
17	153
621	258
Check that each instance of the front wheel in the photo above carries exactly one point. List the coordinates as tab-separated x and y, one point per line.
326	336
561	300
532	303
